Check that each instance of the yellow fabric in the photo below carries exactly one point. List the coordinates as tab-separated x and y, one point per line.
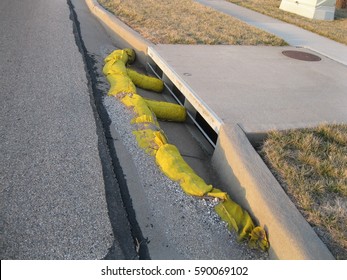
218	194
144	119
115	67
173	165
142	111
116	72
122	55
239	220
236	218
258	239
131	55
145	82
120	84
167	111
150	140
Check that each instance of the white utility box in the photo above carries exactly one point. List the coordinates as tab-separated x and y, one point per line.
313	9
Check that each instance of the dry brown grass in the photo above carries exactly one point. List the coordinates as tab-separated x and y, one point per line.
336	30
311	165
186	22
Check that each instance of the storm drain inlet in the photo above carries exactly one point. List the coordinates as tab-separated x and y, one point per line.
305	56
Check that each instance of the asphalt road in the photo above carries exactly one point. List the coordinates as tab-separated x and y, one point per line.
54	170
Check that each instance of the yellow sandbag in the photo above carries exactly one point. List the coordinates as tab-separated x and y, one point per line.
106	69
115	67
239	220
173	165
218	194
258	239
160	138
145	82
150	140
140	108
167	111
116	55
115	64
144	119
116	75
131	55
236	218
125	55
116	72
120	84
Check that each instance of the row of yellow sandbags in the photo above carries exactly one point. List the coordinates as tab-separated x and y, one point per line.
152	139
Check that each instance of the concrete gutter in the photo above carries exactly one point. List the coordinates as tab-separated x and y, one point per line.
249	180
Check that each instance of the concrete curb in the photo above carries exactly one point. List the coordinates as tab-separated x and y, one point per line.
250	181
251	184
120	32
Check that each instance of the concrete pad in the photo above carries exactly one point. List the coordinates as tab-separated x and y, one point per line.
257	87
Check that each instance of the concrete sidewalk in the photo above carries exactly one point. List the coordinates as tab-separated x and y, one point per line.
257	87
294	35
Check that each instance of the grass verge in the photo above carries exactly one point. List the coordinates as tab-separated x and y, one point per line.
335	30
186	22
311	165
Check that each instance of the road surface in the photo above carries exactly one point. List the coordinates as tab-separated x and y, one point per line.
55	171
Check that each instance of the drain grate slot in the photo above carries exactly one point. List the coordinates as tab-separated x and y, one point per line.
206	130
